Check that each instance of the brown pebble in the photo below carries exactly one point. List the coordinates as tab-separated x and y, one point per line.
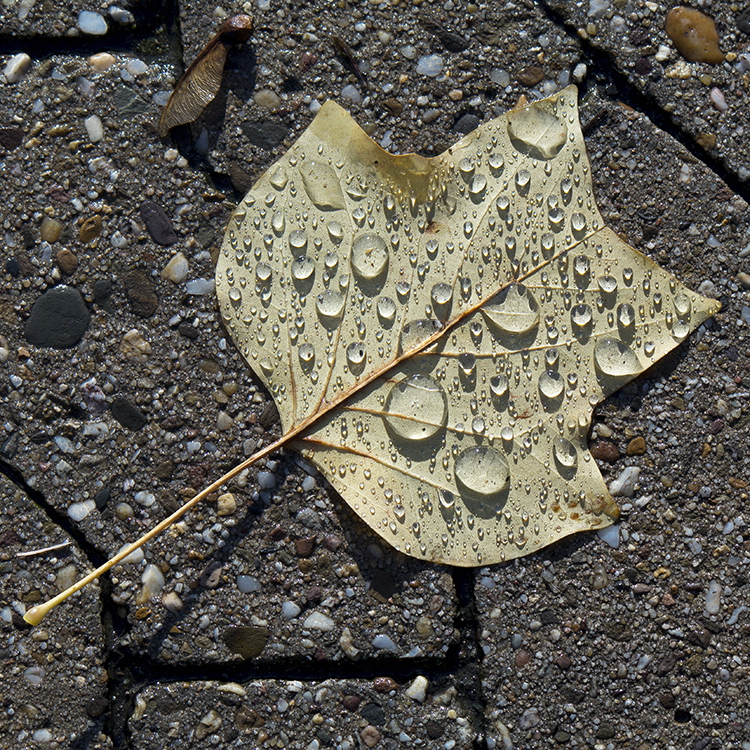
51	229
314	594
394	106
604	450
667	700
522	658
157	223
563	661
67	261
96	707
370	736
277	533
141	294
530	76
642	66
384	684
304	547
11	138
636	447
694	34
706	141
90	229
351	702
246	640
331	542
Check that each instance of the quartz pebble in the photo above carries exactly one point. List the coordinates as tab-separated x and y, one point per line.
267	98
718	100
384	643
200	286
610	535
430	65
177	269
17	67
135	557
79	511
153	582
92	23
713	598
94	128
318	621
624	485
418	689
290	610
248	584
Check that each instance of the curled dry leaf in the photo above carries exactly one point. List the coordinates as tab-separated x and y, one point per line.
201	81
436	332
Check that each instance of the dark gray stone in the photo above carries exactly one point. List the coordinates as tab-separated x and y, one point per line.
58	319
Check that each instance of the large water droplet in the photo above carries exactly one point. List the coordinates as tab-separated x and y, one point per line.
335	231
535	131
330	305
615	359
682	305
235	296
499	386
441	296
416	408
356	356
581	316
298	241
551	385
566	456
303	268
263	273
386	311
306	353
416	331
482	471
513	311
369	256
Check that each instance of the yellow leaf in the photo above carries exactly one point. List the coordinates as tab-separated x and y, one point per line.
436	332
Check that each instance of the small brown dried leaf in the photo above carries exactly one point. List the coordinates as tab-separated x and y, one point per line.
201	81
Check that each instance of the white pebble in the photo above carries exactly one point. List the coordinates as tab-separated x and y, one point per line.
319	621
34	675
66	445
145	499
92	23
17	67
42	735
290	610
248	584
134	557
718	100
79	511
94	128
177	269
308	484
597	8
579	72
135	66
610	535
351	93
171	600
153	582
224	421
200	286
713	598
624	485
384	642
409	52
500	77
430	65
120	15
418	689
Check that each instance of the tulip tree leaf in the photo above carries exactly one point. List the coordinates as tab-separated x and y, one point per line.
436	332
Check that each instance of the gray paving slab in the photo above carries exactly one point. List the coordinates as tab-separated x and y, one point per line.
707	102
78	18
346	714
53	680
153	402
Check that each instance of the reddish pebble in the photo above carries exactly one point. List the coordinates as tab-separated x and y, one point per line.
603	450
384	684
522	658
351	702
